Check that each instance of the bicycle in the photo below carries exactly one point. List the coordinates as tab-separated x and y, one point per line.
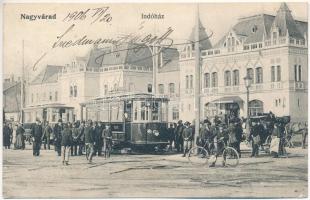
107	147
200	155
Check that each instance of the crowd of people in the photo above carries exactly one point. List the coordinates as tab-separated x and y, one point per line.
95	138
69	139
232	131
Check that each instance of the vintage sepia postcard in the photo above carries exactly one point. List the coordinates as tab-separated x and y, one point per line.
155	100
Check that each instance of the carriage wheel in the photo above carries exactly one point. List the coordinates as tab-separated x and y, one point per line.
198	156
230	157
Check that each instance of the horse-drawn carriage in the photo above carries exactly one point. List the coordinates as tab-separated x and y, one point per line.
290	130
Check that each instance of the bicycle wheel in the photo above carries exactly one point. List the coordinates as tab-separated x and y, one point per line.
230	157
198	156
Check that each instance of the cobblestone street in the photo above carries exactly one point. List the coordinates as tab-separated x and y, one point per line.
151	176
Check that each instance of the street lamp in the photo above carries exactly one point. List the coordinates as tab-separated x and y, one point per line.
247	83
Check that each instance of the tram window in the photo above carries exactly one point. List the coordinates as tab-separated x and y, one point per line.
128	111
143	110
135	111
155	111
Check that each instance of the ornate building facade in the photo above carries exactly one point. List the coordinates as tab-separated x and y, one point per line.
272	50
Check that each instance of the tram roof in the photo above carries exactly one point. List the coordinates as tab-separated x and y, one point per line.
127	96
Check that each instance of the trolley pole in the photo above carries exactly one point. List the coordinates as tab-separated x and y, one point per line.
197	76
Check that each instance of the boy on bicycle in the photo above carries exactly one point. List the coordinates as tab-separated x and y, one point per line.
221	140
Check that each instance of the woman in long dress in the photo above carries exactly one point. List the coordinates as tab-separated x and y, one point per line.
20	144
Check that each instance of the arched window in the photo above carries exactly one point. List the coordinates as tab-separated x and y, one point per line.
259	75
188	51
75	91
214	79
191	85
250	73
299	73
106	89
171	88
256	107
278	73
71	91
161	89
227	78
206	80
236	77
273	74
149	88
187	81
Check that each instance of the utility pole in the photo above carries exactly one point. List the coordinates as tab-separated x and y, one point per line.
197	76
22	87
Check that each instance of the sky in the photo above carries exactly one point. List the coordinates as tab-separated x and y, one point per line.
40	35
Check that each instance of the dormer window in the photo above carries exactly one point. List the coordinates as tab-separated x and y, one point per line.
224	44
254	29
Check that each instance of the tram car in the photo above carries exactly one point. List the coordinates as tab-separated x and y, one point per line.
139	121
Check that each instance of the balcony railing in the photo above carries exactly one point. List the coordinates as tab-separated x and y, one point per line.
299	85
281	41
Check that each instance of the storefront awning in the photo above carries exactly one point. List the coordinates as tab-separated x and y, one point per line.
52	105
229	99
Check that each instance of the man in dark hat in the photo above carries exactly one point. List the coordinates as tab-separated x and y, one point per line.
37	133
66	142
171	136
255	138
81	138
98	138
89	140
46	135
57	136
75	141
187	137
107	140
178	136
7	135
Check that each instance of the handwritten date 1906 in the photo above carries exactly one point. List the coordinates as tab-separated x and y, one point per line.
102	14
